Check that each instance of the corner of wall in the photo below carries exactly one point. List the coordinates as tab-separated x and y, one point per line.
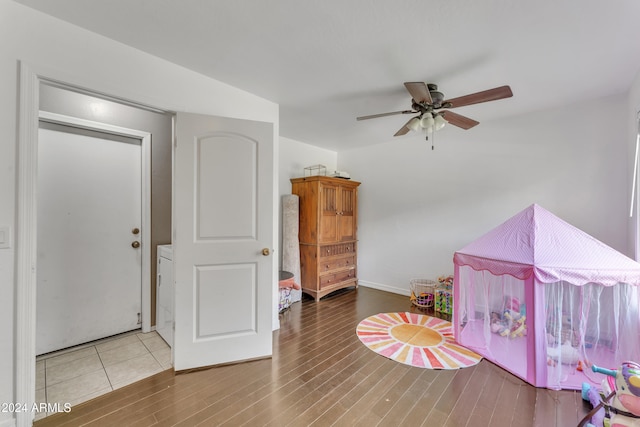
383	287
633	105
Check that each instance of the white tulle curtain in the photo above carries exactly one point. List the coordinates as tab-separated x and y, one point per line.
599	322
484	300
575	326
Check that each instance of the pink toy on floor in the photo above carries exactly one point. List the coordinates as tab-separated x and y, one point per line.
624	394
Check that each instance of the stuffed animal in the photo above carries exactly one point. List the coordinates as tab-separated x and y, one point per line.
516	322
623	396
562	329
498	325
627	397
519	328
510	324
591	395
565	354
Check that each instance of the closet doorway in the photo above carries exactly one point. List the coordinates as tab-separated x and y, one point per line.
145	134
90	229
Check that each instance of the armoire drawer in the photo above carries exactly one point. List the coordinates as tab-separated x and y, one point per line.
331	279
337	263
339	249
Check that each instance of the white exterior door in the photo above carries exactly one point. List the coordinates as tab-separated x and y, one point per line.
223	219
89	201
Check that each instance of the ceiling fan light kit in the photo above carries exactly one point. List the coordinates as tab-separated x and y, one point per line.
439	122
432	107
427	121
414	124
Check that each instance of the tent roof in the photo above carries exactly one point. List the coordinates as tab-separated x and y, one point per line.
535	241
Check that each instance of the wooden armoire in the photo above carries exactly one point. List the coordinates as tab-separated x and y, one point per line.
327	233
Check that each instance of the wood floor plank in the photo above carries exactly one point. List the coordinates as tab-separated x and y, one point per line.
391	395
483	412
545	408
448	398
408	399
467	400
321	375
355	385
362	401
329	398
311	380
326	395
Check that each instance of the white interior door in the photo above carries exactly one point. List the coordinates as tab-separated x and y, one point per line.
89	201
223	219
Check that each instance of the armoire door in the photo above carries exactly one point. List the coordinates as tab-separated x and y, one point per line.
347	214
328	227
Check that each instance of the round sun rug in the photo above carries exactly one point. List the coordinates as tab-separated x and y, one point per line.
416	340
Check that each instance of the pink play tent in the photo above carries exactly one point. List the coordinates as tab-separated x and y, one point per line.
545	300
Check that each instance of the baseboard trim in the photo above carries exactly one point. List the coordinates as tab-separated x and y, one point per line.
383	287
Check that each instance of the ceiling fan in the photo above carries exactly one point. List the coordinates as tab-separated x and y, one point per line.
432	107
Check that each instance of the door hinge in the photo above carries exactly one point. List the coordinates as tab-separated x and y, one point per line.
139	318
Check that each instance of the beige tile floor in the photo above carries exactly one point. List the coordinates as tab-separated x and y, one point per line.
79	374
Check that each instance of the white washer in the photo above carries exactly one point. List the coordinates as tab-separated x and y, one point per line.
164	293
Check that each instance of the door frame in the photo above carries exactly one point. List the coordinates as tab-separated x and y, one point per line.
26	231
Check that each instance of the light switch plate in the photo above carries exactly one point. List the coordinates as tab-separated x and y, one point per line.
5	237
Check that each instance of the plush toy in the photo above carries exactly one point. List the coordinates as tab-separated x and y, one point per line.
516	322
519	328
592	396
565	354
552	340
623	396
498	325
562	329
511	323
626	401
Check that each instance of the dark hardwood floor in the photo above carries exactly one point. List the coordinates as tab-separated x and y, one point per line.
321	375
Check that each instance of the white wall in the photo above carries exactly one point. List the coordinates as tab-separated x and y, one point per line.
418	206
296	155
76	56
633	110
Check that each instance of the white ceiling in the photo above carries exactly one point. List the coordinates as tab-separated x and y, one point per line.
328	61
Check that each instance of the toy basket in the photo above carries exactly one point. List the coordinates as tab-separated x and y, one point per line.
422	292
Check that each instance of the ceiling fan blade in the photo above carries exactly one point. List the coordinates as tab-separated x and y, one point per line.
419	92
478	97
375	116
404	129
459	120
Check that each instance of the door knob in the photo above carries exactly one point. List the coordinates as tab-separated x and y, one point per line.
135	244
266	252
135	231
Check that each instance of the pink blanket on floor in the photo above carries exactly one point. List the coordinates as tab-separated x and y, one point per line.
288	283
